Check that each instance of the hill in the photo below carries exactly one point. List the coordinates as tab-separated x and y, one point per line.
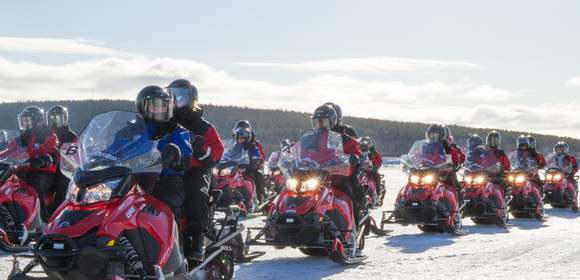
391	138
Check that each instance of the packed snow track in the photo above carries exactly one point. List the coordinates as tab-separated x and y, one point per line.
529	249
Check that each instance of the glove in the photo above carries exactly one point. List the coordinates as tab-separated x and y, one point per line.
43	161
197	146
171	156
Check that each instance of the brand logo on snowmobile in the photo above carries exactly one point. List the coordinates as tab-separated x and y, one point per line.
7	192
36	146
227	248
130	212
64	224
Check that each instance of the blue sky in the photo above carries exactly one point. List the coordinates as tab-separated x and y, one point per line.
487	63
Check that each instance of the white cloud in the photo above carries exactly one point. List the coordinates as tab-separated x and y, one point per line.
462	102
366	65
574	82
50	45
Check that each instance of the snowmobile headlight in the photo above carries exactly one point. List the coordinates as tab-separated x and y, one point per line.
520	179
479	180
73	191
427	179
276	172
292	185
309	185
225	171
557	177
414	179
101	192
215	172
468	179
511	178
549	177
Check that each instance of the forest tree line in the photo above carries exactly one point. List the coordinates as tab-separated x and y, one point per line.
392	138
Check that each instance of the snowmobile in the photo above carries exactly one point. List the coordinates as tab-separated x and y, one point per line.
109	228
485	199
427	200
20	208
312	213
375	193
527	201
230	177
559	191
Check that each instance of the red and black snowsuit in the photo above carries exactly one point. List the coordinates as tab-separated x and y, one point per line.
351	185
256	171
42	148
457	158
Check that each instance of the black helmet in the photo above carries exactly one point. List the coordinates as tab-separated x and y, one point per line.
324	117
243	128
31	117
57	116
365	143
338	111
155	104
532	142
523	142
560	147
184	93
285	143
473	141
493	139
435	132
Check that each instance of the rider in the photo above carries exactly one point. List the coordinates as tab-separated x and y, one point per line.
539	156
473	142
340	127
244	136
438	133
366	146
523	145
155	105
285	146
41	144
492	141
57	118
207	151
560	149
325	117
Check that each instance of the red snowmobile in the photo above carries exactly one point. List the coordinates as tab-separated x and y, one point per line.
427	200
230	177
312	213
375	193
527	199
485	200
109	228
20	219
559	191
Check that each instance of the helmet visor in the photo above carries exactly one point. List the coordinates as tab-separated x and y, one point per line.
57	120
184	97
25	122
158	109
321	123
559	149
242	132
493	141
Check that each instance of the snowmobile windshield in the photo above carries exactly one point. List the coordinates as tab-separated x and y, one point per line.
321	149
522	160
117	138
234	152
12	152
560	162
425	154
482	158
273	160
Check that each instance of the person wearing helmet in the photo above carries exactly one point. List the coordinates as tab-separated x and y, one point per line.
41	144
523	144
340	127
325	117
285	146
561	151
493	141
57	119
538	156
439	133
207	151
245	137
155	105
473	142
367	147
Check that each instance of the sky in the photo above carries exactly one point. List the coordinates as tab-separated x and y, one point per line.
501	64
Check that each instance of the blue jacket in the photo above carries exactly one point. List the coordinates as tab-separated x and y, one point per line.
181	137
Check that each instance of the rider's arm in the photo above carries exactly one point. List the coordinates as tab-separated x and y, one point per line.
351	146
574	164
212	148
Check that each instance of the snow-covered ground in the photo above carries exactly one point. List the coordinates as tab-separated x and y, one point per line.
528	250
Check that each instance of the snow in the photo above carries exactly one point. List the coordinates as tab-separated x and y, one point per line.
529	249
